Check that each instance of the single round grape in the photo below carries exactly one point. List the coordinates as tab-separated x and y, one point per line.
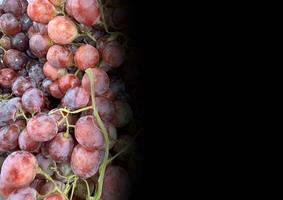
42	128
81	189
114	55
54	196
21	85
15	59
116	184
41	11
85	163
26	22
26	143
39	44
86	12
76	98
9	24
35	72
123	114
37	184
45	164
67	82
7	77
13	6
19	169
37	28
88	133
5	42
8	111
60	57
20	41
55	90
9	137
33	100
25	193
101	81
86	57
53	73
61	147
62	30
105	108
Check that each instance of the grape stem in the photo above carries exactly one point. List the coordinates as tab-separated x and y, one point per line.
103	166
49	178
73	188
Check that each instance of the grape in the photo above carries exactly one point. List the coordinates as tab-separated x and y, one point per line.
33	100
113	55
61	147
112	131
47	188
25	22
65	170
9	24
101	81
45	164
8	111
44	149
21	123
35	72
62	30
27	143
37	184
41	11
9	137
19	169
42	128
37	28
53	73
85	163
5	42
39	44
13	6
88	133
55	90
76	98
5	190
116	184
20	41
7	77
26	193
54	196
105	108
109	94
21	85
123	114
15	59
81	189
67	82
60	57
45	86
86	57
84	11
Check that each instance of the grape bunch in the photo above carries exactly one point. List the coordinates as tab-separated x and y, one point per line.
65	116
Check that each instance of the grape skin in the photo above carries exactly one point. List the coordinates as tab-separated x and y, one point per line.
26	193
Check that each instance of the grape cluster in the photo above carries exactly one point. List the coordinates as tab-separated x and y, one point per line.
63	105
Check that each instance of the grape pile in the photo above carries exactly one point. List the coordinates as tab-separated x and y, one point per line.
65	117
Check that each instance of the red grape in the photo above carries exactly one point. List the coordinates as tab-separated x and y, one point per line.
5	190
85	163
15	59
54	196
45	164
37	28
41	11
8	111
25	22
53	73
105	108
9	137
19	169
27	143
67	82
25	193
113	54
39	44
60	57
21	85
35	72
88	133
123	114
14	6
55	90
101	81
42	128
61	147
9	24
20	41
62	30
84	11
116	184
86	57
7	77
21	123
33	100
76	98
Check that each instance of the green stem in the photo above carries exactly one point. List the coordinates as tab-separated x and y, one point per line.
87	187
49	178
91	37
73	188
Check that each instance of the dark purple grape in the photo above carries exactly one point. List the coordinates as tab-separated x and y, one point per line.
45	86
7	77
25	22
9	24
5	42
35	72
14	6
15	59
20	42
